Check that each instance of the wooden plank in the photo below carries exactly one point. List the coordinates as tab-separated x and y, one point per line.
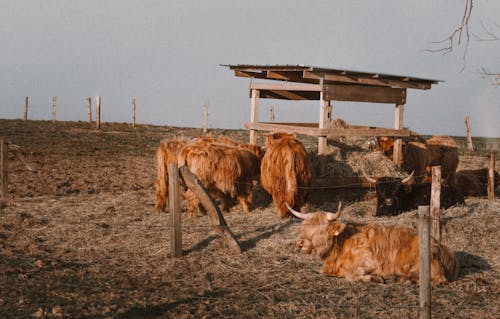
436	202
397	154
368	131
98	112
360	93
366	80
424	262
286	86
220	226
26	108
254	114
491	177
4	180
290	95
175	210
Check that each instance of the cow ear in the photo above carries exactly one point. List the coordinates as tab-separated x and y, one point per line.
336	229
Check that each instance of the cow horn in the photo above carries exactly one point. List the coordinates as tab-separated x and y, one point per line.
296	213
331	216
407	179
369	179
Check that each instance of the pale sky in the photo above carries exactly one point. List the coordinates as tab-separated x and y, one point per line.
168	53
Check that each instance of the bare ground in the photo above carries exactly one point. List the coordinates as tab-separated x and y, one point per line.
80	238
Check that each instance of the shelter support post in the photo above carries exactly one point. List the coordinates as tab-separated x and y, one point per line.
254	116
436	202
398	124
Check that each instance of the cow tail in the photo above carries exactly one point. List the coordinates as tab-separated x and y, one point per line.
291	179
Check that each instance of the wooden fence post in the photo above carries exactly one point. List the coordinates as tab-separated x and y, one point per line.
424	262
98	112
491	177
174	202
54	107
26	108
194	184
436	202
4	189
205	117
133	111
89	105
470	147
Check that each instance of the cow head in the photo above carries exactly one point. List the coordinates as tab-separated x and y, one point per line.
276	136
318	231
389	191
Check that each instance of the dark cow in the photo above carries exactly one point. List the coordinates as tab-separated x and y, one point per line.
474	182
396	195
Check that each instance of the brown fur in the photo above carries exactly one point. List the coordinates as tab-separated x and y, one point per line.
167	153
443	151
419	156
474	182
371	252
285	171
226	168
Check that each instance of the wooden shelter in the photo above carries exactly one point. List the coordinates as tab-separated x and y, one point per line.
301	82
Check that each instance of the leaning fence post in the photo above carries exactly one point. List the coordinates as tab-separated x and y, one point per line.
470	147
3	165
424	262
174	201
436	202
491	177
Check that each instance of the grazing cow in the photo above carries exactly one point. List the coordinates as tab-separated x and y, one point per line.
226	168
370	252
475	182
396	195
285	171
167	153
419	156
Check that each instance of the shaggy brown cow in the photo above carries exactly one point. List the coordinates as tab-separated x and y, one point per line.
419	156
370	252
285	171
226	168
475	182
167	153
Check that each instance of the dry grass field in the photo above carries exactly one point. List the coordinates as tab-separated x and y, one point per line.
80	238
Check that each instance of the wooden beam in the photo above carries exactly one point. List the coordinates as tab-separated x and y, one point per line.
436	202
174	201
254	114
397	154
220	226
491	177
286	86
344	77
290	95
312	131
360	93
424	249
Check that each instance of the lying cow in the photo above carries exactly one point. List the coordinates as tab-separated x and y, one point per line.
286	171
226	168
370	252
475	182
396	195
167	153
